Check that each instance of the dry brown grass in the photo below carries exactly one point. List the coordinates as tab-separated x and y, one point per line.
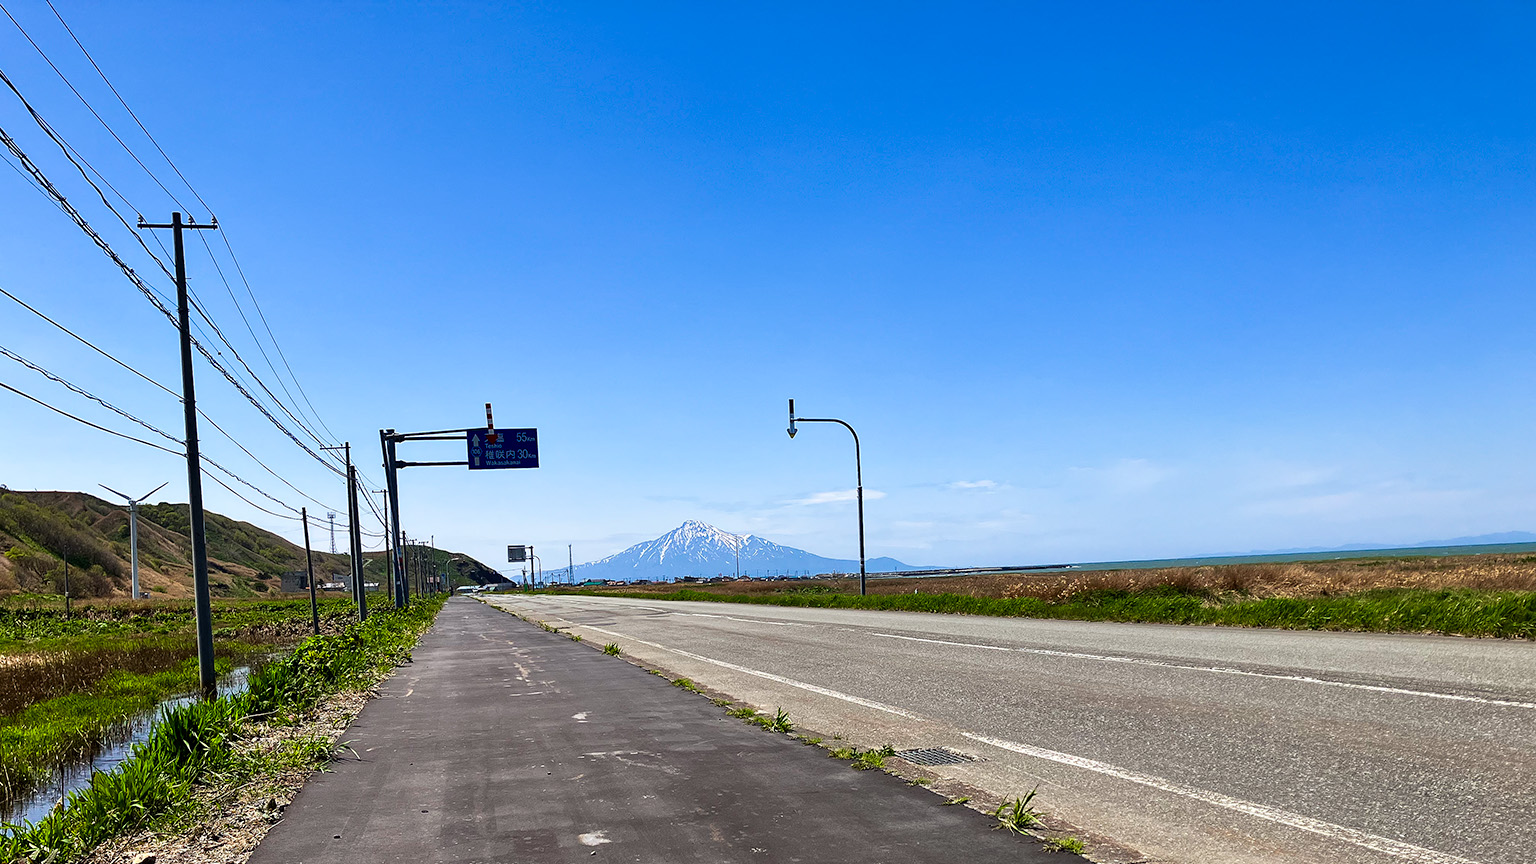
1297	579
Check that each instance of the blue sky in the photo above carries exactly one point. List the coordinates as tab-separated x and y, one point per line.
1093	283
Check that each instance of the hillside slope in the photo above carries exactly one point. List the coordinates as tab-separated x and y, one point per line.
39	530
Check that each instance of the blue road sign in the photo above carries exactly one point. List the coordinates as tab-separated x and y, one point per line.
514	448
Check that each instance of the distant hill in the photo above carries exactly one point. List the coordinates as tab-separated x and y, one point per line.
39	530
1502	537
697	549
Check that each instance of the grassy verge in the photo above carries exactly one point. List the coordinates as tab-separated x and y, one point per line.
200	747
1463	612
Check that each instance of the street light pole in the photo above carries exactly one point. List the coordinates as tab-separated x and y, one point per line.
858	468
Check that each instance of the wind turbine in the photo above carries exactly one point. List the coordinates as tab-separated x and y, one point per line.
133	527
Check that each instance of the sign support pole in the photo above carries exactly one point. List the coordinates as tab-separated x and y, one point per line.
396	536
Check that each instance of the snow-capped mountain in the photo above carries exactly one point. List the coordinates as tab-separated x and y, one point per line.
696	549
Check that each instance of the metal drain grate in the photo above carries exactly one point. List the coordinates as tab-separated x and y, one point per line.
934	756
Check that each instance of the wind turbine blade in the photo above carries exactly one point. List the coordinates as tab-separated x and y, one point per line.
154	490
114	491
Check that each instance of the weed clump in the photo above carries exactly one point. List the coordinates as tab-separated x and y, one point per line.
612	649
1017	815
864	760
1065	844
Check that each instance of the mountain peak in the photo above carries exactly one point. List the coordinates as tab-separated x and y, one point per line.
697	548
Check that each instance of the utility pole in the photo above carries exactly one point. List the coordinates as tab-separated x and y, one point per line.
204	609
133	529
66	587
354	539
309	564
570	565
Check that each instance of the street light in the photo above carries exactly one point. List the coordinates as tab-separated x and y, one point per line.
133	528
858	468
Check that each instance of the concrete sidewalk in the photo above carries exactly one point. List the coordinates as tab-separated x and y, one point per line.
503	742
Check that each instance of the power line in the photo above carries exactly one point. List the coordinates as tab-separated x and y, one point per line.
135	117
162	433
263	316
40	181
87	422
89	344
169	193
128	271
89	107
173	393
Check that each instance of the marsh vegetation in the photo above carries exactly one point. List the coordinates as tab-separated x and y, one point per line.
72	683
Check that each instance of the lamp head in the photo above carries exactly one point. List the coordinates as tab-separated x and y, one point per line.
791	429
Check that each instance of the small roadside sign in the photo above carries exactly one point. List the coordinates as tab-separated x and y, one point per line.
514	448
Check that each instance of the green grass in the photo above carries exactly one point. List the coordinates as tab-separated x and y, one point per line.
612	649
196	746
1065	844
1465	612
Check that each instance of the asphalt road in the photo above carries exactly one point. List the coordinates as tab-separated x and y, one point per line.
1176	744
501	742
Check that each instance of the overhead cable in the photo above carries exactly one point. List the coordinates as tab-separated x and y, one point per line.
87	422
128	270
89	107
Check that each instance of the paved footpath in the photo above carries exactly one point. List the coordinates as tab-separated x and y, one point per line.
506	743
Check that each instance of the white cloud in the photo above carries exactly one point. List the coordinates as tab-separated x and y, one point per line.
840	495
1126	476
972	484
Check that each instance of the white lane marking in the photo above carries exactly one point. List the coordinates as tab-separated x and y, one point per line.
1373	842
593	838
747	620
1225	670
867	703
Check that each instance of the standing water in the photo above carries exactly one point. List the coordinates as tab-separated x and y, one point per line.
33	806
